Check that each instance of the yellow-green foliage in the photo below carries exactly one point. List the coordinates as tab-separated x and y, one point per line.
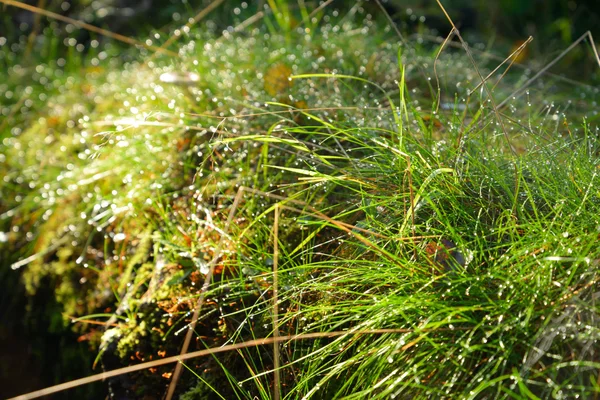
139	256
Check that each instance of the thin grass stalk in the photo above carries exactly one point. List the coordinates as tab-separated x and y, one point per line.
87	26
276	356
207	282
201	353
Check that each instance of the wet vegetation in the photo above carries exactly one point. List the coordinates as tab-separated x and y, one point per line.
306	174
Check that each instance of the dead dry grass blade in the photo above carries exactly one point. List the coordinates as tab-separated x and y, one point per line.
488	91
276	372
201	353
512	57
350	229
319	8
86	26
243	25
539	73
492	56
249	21
200	303
522	88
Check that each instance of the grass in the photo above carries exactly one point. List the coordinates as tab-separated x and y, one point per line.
424	250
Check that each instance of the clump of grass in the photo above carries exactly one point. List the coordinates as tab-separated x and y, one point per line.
506	294
468	247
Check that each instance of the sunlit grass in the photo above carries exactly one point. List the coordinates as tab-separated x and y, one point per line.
118	179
